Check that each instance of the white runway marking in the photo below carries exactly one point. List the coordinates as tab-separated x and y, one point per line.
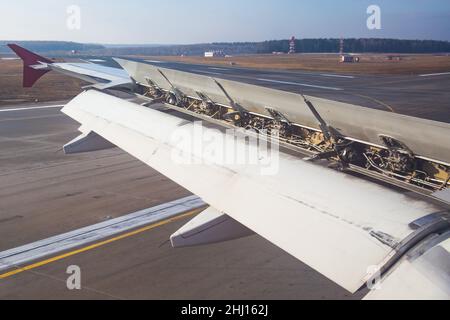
154	61
434	74
301	84
220	69
30	108
77	238
337	76
207	72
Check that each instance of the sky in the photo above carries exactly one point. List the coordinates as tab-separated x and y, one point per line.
201	21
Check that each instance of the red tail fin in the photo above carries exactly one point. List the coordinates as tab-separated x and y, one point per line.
30	75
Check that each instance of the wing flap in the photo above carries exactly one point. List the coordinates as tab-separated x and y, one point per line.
333	222
210	226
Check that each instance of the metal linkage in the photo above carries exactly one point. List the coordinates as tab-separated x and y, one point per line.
240	115
330	136
178	96
395	161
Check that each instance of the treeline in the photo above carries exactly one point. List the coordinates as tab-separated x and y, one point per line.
51	46
356	46
371	45
303	46
188	50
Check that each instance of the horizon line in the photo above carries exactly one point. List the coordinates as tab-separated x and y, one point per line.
212	42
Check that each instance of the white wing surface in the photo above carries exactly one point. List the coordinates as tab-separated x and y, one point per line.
340	225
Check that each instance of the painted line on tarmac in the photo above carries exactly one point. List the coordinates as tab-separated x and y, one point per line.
219	69
31	108
206	72
166	212
337	76
96	245
299	84
435	74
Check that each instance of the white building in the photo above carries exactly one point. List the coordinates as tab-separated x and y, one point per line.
212	54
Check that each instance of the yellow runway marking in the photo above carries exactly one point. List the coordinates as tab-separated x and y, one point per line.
97	245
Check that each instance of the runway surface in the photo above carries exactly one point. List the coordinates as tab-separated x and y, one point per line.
423	96
45	194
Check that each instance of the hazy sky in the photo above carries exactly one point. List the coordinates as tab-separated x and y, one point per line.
195	21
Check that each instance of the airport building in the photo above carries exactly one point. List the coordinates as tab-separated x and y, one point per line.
213	54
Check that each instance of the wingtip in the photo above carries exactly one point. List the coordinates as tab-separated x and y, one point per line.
14	47
30	75
27	56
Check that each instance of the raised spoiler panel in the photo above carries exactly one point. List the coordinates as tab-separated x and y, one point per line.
426	138
338	224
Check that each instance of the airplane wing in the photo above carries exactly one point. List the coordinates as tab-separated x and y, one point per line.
36	66
350	224
339	225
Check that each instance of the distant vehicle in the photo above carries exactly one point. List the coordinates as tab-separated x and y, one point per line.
348	59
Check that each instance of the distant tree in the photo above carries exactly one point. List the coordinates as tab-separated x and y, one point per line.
363	45
50	46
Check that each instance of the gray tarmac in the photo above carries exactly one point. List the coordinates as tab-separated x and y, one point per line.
423	96
44	193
